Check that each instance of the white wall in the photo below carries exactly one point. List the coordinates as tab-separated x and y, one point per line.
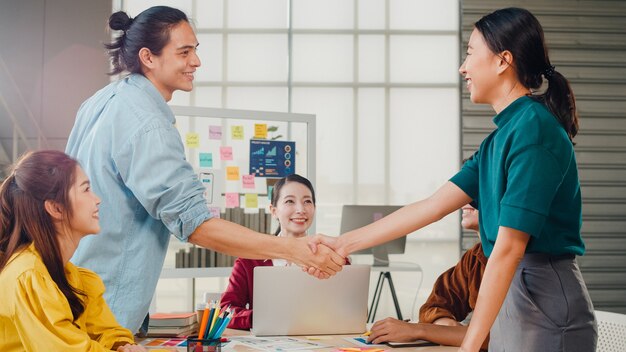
55	60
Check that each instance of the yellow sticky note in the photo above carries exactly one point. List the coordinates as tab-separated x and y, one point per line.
232	173
236	132
252	200
260	131
192	140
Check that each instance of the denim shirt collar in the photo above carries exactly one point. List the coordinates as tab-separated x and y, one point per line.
140	81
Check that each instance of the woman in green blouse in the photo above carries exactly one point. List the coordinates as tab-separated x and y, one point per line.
524	179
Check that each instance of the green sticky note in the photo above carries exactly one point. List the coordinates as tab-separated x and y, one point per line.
206	159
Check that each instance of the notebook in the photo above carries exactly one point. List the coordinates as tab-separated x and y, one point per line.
288	301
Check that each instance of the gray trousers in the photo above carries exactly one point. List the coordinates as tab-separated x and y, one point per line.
547	308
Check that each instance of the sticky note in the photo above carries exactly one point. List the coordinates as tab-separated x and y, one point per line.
232	200
215	132
252	200
192	140
232	173
156	342
260	130
236	132
248	181
270	189
215	212
226	153
206	159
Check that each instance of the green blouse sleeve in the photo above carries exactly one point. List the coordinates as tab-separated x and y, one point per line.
467	178
533	178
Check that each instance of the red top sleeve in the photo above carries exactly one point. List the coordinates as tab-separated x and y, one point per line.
455	292
239	292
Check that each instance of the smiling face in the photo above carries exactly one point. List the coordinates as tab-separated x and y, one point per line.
294	209
469	218
174	68
480	70
85	218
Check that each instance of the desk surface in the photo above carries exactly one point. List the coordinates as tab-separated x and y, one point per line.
338	341
335	341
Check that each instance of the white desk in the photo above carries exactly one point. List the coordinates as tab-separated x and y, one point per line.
334	341
337	341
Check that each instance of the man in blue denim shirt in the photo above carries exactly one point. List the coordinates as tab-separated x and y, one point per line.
125	139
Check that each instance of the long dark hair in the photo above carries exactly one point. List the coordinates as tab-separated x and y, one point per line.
37	177
283	181
150	29
518	31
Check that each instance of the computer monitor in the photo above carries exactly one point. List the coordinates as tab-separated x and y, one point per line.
355	216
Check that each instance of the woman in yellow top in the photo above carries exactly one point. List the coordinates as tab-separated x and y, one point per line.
49	304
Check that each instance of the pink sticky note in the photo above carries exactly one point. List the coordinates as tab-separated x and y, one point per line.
226	153
215	132
232	200
248	181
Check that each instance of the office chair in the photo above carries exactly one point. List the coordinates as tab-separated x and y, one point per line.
611	331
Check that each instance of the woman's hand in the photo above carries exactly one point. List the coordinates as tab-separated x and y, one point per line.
331	242
322	262
321	242
131	348
390	329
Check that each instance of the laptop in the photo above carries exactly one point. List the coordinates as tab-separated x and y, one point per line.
288	301
356	216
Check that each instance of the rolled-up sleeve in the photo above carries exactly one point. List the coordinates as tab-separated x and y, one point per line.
533	179
467	178
153	167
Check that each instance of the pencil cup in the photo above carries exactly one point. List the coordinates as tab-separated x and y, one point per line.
204	345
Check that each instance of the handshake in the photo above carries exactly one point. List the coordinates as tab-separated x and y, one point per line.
319	255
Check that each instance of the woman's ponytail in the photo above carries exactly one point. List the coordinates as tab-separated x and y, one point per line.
9	240
559	98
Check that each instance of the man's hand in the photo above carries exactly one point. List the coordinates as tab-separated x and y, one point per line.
390	329
321	241
331	242
321	263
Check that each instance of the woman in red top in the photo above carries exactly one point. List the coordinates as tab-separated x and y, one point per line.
293	205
